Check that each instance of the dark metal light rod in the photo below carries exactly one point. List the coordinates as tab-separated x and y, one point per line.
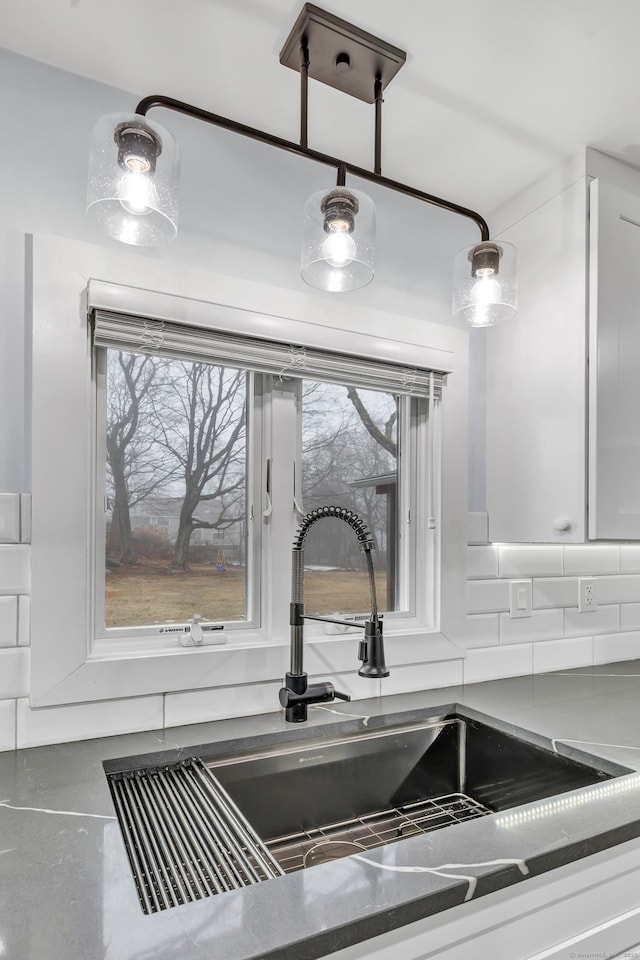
254	134
378	126
304	93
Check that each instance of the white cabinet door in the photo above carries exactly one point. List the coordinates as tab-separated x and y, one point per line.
536	381
614	367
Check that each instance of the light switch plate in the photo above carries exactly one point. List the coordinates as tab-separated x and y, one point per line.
520	598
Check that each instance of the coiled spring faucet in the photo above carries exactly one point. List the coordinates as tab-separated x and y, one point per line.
296	694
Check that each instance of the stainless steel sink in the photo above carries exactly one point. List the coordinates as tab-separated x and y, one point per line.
227	815
326	798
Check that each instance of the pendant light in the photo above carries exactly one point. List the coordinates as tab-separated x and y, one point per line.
338	240
134	165
485	289
133	180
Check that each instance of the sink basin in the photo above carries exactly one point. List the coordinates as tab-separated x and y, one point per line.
227	815
326	798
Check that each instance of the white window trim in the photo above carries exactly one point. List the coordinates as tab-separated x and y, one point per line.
125	639
63	671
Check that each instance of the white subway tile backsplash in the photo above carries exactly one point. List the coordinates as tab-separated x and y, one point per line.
14	672
15	573
555	592
541	625
358	688
562	654
482	562
621	646
8	621
530	560
9	518
477	527
495	662
85	721
200	706
605	619
591	560
618	589
487	596
629	558
7	724
422	676
482	630
629	616
24	621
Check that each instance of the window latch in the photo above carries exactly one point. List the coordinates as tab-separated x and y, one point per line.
269	508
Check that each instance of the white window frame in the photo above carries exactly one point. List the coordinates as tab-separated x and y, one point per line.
65	668
150	637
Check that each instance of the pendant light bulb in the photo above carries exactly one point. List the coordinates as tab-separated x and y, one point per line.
339	249
340	208
137	193
486	290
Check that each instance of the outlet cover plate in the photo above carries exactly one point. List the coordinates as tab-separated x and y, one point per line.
587	601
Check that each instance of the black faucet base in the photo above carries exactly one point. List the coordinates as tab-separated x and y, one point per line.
296	713
296	695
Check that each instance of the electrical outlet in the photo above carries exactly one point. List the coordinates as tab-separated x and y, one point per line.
587	595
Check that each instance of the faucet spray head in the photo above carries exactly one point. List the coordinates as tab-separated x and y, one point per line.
372	651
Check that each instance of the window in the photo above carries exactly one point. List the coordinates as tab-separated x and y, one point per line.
175	457
182	492
350	458
75	657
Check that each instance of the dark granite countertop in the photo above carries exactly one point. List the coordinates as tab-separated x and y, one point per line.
66	889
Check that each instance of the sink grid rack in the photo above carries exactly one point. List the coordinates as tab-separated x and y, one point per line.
321	844
184	836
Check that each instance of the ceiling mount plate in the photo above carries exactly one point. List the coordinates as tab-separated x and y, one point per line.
341	55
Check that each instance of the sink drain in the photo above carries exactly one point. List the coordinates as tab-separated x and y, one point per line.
328	850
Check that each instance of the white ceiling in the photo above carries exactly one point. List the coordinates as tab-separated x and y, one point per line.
494	93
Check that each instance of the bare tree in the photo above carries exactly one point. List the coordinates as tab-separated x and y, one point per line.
134	469
383	436
344	445
202	425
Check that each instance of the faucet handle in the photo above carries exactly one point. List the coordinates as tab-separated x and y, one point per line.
340	696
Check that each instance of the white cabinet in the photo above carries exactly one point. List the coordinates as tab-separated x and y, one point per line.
563	378
614	369
536	379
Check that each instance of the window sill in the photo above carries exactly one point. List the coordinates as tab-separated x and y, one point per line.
114	675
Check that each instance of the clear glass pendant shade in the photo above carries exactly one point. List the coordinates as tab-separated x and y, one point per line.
338	240
485	285
132	193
